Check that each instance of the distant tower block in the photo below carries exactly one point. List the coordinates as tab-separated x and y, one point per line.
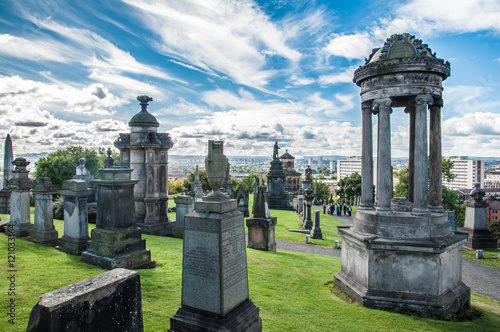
392	257
145	151
320	162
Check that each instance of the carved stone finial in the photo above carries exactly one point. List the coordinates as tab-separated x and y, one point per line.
144	100
215	165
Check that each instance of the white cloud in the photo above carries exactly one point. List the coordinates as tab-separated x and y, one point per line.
341	77
35	50
226	37
353	46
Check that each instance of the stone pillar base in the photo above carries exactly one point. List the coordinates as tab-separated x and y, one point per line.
72	246
411	275
316	233
261	233
49	237
20	230
244	318
480	239
161	228
113	248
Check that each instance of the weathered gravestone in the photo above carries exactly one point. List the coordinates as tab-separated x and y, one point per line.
43	230
316	229
20	186
480	237
76	226
261	225
276	180
116	240
214	277
183	206
110	301
82	173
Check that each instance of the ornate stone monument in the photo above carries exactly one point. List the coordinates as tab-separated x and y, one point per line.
76	226
20	186
480	237
82	173
197	189
8	158
214	277
308	200
43	230
276	181
145	151
261	224
292	176
116	240
241	196
408	260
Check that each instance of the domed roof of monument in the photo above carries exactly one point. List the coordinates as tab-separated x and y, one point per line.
144	118
286	155
401	46
401	53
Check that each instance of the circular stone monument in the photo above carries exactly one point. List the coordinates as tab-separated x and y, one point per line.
403	255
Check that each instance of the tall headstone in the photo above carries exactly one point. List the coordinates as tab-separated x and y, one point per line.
261	226
316	229
116	240
8	158
183	206
145	151
480	237
20	186
82	173
197	186
214	277
76	226
307	222
276	181
393	258
315	199
241	197
43	230
110	301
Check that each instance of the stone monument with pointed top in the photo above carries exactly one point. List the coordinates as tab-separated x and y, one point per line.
8	167
276	181
215	293
261	226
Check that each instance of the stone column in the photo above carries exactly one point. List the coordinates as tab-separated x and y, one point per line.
20	185
43	230
421	179
316	230
410	109
384	174
435	158
76	226
366	157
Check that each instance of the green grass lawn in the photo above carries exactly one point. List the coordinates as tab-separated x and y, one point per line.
490	257
291	289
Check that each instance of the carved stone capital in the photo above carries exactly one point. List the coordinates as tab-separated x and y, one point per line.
424	100
366	107
382	104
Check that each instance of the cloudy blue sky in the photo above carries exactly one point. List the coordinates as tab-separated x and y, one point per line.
247	72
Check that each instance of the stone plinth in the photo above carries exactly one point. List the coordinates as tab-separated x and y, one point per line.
480	237
76	226
116	240
403	261
43	230
110	301
214	280
183	206
20	186
261	233
276	180
316	229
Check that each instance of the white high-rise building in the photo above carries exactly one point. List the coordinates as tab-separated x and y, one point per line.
333	165
310	162
349	166
320	162
467	172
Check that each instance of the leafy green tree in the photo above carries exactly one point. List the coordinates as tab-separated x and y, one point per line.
250	180
349	186
61	164
401	189
447	169
203	179
322	191
235	183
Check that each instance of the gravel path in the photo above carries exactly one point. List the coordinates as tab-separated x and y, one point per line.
481	279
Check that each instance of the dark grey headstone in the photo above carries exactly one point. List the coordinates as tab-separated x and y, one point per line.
110	301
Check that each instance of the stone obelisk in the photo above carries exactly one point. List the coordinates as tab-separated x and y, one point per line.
8	158
214	267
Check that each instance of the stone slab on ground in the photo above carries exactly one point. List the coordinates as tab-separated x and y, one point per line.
110	301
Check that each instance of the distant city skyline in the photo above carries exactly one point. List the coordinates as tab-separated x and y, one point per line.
247	72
